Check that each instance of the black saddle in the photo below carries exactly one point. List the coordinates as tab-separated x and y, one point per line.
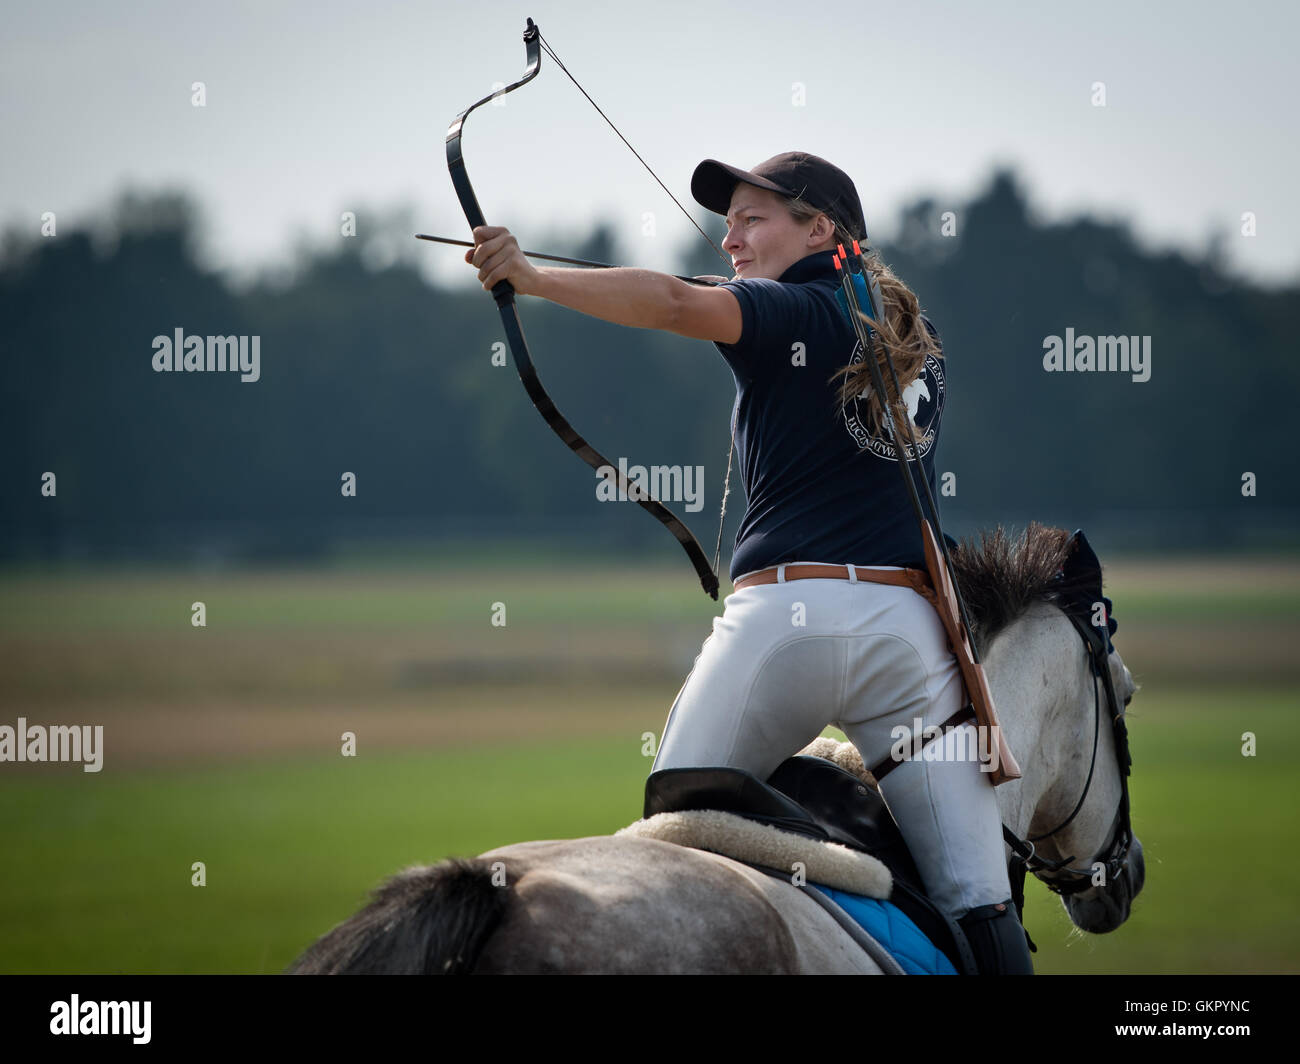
814	797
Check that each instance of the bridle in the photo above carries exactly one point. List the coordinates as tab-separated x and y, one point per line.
1024	858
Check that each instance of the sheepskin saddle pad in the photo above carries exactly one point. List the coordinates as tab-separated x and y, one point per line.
744	838
820	814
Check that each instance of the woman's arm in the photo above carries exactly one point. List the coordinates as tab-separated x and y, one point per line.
643	299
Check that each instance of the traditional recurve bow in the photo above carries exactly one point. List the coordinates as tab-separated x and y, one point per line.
504	294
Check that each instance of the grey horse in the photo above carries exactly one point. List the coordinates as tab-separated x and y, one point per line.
624	904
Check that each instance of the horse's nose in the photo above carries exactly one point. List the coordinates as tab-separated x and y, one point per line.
1137	866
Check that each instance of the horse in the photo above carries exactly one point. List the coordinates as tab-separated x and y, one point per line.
625	904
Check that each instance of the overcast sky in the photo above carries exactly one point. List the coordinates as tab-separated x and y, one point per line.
315	108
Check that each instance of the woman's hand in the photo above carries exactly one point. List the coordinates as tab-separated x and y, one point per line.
497	255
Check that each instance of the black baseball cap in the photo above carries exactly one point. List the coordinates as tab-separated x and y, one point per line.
792	173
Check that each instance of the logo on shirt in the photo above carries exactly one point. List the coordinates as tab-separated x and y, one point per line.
924	401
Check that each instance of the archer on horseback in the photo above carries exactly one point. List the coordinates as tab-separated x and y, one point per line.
825	625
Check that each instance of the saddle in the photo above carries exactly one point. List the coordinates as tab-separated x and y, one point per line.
815	798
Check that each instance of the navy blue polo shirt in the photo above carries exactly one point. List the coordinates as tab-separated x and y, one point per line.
820	486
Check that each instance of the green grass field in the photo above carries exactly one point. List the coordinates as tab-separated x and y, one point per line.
222	747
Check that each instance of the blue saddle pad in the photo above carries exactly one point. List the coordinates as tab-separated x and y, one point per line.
890	926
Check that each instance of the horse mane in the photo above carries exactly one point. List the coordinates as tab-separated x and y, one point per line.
1001	575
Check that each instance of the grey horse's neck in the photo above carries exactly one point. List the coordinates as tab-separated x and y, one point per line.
1038	687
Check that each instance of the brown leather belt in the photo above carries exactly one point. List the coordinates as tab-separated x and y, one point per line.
917	579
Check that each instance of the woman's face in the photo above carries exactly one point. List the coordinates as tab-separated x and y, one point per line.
762	239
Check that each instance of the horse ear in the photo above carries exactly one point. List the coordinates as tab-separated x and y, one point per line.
1082	568
1081	558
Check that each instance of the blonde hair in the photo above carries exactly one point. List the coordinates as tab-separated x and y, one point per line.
900	331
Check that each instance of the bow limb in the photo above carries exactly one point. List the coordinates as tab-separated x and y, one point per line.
504	294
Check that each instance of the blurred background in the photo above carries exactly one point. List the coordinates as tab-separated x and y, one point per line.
260	172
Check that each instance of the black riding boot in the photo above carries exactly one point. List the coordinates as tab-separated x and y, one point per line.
999	943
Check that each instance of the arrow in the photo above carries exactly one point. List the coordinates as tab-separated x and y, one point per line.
704	281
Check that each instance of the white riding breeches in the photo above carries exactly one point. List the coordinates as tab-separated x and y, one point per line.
789	658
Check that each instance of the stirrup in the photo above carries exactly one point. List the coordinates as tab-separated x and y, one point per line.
1000	944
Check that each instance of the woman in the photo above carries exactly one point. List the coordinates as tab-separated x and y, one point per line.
799	647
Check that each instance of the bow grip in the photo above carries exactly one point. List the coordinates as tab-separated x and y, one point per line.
504	293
